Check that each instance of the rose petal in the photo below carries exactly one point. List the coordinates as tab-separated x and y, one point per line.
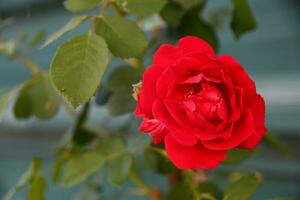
155	129
239	77
259	119
192	157
192	44
242	130
166	55
182	135
147	94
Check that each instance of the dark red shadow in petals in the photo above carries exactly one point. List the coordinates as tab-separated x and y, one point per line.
239	77
166	55
192	157
241	131
259	120
191	44
181	134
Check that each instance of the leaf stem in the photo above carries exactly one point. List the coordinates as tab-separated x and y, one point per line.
30	64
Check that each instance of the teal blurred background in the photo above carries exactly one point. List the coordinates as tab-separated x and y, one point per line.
271	55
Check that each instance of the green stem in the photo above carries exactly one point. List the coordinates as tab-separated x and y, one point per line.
189	178
30	64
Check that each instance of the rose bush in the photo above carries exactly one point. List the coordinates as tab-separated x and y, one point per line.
199	105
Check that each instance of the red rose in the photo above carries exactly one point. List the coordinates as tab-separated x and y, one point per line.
199	105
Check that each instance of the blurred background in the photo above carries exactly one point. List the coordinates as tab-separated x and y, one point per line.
270	54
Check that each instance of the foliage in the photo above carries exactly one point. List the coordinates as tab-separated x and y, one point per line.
76	76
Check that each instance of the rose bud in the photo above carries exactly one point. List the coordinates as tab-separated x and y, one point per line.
199	105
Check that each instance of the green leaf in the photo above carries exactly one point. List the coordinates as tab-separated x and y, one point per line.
145	7
112	145
124	38
236	156
119	169
242	19
124	76
188	4
37	98
242	189
121	101
210	188
120	82
38	188
192	24
156	159
78	66
277	144
72	24
5	99
37	39
80	5
172	14
180	191
81	165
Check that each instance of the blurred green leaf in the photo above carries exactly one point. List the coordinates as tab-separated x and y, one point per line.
25	179
188	4
37	98
242	19
37	39
8	47
236	156
121	101
172	14
72	24
38	187
180	191
242	189
5	99
80	5
210	188
192	24
120	82
124	76
81	165
78	66
157	161
277	144
124	38
119	169
111	145
145	7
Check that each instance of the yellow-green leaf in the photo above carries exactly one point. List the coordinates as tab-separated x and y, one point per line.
242	189
144	7
72	24
123	37
37	98
80	166
80	5
38	187
78	66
